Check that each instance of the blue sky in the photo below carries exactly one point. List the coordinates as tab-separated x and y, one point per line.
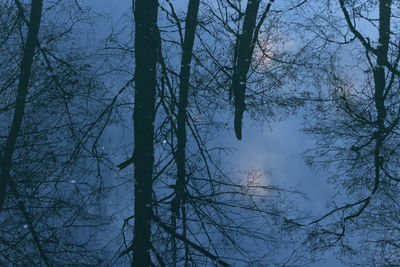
275	148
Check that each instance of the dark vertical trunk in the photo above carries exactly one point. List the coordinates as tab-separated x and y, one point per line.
242	63
190	29
143	117
184	75
23	84
379	77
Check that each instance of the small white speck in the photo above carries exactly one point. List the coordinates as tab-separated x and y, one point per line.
102	147
72	181
25	226
164	141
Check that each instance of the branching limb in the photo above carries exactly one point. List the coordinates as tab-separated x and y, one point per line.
190	243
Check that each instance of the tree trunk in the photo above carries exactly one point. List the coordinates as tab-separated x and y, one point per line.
22	91
242	63
145	12
379	77
184	75
190	29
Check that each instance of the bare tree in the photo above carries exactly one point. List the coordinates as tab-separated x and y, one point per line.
357	127
55	172
209	210
243	56
23	83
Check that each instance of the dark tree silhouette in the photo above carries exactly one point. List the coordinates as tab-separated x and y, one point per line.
23	85
53	188
356	126
190	29
146	45
184	76
7	155
243	56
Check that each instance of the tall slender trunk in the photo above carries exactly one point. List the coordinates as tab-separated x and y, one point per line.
379	77
184	75
144	113
22	91
242	63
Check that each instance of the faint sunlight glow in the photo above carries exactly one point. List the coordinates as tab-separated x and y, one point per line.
262	55
254	180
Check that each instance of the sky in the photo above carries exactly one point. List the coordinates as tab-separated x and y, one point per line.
275	148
